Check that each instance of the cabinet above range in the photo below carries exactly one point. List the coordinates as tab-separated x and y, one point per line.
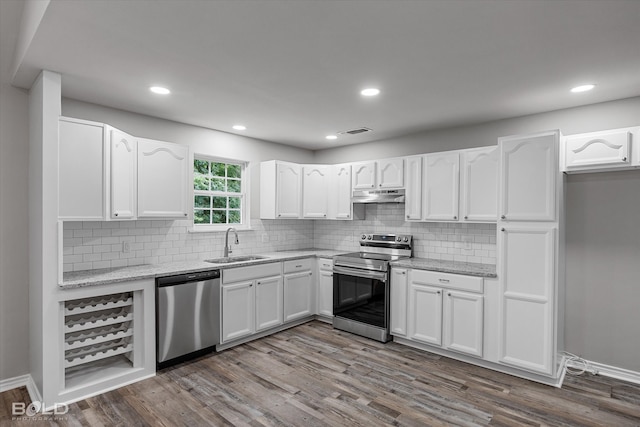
106	175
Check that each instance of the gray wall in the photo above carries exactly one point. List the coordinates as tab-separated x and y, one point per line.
14	259
603	267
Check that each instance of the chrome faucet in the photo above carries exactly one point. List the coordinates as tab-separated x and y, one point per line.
227	246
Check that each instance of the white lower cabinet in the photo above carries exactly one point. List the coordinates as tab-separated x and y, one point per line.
238	310
443	310
325	287
298	289
463	322
268	303
425	313
398	302
251	300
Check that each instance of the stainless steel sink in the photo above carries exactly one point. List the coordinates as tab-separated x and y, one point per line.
229	260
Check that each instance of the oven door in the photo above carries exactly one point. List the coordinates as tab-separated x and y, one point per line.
361	295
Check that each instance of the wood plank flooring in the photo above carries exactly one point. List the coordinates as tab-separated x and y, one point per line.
313	375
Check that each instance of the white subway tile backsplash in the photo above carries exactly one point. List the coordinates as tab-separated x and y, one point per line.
91	245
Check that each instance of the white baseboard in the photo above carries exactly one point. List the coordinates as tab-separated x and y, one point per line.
22	380
614	372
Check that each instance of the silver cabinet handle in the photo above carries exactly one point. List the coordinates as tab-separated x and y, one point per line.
455	217
624	159
466	217
347	215
403	272
251	285
259	283
115	214
443	280
438	292
186	214
449	294
407	216
502	229
503	217
299	265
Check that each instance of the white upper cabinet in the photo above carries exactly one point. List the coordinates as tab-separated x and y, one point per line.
123	175
340	206
413	191
479	184
82	173
597	151
364	175
379	174
315	182
390	173
441	186
528	173
288	190
163	172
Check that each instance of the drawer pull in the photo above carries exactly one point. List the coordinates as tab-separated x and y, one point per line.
443	280
299	265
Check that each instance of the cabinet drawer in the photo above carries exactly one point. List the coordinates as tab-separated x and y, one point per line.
251	272
296	265
448	280
325	264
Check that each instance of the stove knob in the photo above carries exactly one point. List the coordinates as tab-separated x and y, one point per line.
406	239
398	239
369	237
364	236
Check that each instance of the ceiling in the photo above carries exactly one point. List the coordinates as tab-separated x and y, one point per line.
292	70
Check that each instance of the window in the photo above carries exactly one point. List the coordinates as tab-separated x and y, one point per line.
219	193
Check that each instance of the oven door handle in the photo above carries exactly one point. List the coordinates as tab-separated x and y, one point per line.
360	273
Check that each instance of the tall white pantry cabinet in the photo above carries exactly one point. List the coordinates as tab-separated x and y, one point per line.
530	247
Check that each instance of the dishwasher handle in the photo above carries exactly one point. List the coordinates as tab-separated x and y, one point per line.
197	276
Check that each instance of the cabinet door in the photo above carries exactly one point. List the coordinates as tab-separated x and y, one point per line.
325	293
413	193
527	277
364	175
598	150
315	182
479	186
163	173
238	310
82	173
425	314
124	152
340	201
398	303
463	322
268	303
391	173
528	170
298	301
288	191
441	184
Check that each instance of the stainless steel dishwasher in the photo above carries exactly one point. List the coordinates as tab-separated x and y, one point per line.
187	316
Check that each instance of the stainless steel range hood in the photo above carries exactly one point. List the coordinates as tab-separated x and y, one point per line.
378	196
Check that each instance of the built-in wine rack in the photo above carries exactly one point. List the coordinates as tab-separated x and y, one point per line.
97	329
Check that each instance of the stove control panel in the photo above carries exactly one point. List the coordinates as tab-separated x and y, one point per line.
387	238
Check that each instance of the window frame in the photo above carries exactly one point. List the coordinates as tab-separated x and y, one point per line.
244	195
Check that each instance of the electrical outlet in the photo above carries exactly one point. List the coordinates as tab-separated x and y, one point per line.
126	247
467	241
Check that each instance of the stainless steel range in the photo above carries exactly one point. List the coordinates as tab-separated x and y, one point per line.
361	284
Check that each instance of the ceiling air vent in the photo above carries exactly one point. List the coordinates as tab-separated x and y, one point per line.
355	131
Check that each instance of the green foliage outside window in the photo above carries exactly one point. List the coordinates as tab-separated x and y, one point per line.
218	192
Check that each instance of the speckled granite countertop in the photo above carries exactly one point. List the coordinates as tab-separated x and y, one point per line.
466	268
106	276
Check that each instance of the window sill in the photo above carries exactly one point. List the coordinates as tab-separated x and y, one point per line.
194	229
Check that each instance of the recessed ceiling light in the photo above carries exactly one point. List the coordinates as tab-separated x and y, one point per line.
160	90
239	127
583	88
331	137
372	91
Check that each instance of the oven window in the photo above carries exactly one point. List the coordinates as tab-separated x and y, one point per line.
360	299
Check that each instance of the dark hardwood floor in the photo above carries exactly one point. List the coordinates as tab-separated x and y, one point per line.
313	375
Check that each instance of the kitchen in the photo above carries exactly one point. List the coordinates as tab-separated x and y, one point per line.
591	203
